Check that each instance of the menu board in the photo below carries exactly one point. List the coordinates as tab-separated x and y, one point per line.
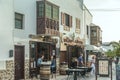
117	71
103	67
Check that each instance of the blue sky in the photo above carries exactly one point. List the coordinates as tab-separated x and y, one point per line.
105	16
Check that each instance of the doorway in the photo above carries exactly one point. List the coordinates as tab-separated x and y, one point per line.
19	62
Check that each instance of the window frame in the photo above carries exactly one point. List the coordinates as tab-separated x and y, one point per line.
67	20
41	9
63	20
21	20
55	14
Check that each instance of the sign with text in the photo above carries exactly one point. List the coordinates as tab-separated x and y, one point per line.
103	67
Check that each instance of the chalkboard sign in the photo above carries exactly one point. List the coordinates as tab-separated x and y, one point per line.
117	71
103	67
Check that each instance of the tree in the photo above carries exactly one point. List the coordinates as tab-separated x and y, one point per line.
110	53
116	46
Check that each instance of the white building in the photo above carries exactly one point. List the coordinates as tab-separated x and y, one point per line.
87	16
18	21
6	27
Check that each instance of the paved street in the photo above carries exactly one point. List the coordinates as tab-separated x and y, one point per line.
87	78
91	77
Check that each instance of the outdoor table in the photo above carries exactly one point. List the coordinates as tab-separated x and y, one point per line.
75	71
86	69
78	70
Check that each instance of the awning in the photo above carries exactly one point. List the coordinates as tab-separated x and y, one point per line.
101	49
91	47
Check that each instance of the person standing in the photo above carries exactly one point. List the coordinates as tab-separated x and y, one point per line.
80	60
53	65
93	65
117	60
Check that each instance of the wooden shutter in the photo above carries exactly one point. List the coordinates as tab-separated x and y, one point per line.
62	18
79	24
76	23
70	21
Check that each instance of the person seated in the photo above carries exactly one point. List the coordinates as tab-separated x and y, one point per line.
73	63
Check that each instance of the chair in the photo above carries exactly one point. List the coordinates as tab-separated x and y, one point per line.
82	74
69	73
88	71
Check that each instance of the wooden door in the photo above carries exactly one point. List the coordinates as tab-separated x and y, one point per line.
69	54
19	62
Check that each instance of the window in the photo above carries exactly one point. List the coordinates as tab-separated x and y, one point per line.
18	21
66	20
77	23
94	33
87	30
48	11
77	26
55	13
41	10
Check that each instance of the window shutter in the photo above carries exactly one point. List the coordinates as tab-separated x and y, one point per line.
79	24
70	21
62	18
76	23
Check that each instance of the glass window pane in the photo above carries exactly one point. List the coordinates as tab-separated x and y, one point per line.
41	9
48	11
18	16
18	21
67	20
55	13
18	24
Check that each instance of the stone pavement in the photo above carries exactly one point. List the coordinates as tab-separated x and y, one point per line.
91	77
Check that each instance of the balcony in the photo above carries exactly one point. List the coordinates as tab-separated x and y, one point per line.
47	26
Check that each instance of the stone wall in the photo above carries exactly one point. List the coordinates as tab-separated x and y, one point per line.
8	73
27	69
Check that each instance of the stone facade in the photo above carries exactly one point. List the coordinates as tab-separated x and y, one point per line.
26	69
8	73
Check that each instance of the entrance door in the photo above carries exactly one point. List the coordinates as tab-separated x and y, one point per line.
19	62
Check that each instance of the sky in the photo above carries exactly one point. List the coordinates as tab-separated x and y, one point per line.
106	14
